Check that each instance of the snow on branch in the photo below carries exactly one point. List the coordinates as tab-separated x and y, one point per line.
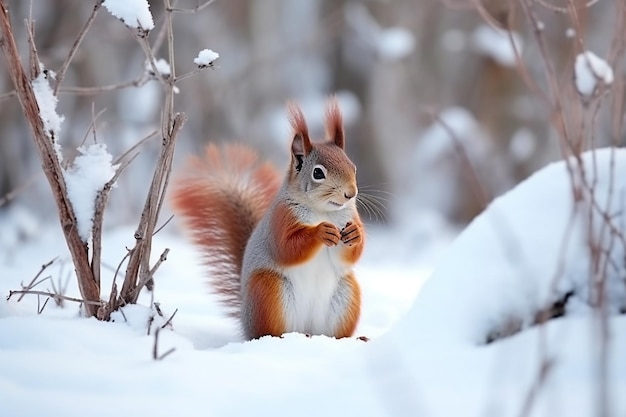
498	44
134	13
205	58
87	176
161	65
47	102
589	71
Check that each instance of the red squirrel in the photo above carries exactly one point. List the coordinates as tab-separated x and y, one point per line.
280	255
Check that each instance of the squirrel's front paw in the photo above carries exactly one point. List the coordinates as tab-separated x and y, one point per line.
351	234
328	233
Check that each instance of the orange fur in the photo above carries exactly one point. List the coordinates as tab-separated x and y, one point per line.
334	123
221	198
351	315
295	243
299	126
265	298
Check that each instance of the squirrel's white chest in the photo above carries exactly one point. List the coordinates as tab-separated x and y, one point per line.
309	297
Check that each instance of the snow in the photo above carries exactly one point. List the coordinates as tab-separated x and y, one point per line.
134	13
496	44
391	44
436	140
425	357
205	58
89	172
162	66
47	102
570	32
589	70
522	145
506	264
435	156
395	43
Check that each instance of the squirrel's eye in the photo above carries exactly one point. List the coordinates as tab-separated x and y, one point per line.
319	173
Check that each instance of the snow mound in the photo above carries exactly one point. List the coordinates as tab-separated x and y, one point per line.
527	251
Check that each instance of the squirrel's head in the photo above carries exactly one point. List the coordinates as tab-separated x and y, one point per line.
322	172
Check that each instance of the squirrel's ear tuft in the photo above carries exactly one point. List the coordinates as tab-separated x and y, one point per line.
298	151
301	144
334	122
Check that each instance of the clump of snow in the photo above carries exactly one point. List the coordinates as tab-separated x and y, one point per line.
162	66
496	44
89	172
522	254
205	58
436	157
570	32
134	13
522	144
47	102
453	123
392	43
395	43
589	69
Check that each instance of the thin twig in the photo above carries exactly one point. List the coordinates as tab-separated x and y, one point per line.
92	125
45	303
163	225
32	282
49	294
196	9
155	347
7	96
74	48
87	91
474	181
169	321
123	156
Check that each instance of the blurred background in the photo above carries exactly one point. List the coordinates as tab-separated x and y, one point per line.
438	119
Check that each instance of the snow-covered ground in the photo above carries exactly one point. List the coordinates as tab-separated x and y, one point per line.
426	356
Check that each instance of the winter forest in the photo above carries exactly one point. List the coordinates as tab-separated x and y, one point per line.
488	138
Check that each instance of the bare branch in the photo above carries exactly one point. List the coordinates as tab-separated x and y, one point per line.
125	155
74	48
40	309
474	181
49	294
163	225
34	280
155	347
7	96
169	321
88	91
52	168
196	9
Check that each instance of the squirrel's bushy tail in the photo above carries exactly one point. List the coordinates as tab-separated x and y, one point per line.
221	197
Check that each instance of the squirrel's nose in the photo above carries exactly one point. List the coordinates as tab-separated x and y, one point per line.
350	194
